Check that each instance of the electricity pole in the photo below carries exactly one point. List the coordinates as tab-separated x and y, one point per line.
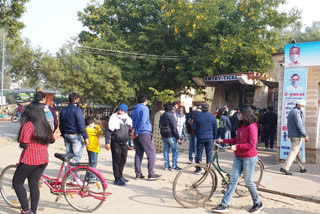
2	66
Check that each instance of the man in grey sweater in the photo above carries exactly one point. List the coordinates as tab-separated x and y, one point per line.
296	133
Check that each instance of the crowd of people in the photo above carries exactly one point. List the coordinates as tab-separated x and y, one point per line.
242	128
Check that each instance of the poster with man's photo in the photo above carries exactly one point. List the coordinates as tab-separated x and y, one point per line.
300	55
294	88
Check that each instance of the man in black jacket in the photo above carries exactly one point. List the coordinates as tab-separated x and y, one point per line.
170	137
269	122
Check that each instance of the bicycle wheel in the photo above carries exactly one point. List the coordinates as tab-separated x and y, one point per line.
85	191
242	189
14	119
6	188
191	190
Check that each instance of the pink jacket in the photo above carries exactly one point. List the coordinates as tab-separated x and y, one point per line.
246	141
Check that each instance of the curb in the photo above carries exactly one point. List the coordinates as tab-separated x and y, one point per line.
5	119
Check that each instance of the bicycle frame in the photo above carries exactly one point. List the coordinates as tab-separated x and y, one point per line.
218	168
54	186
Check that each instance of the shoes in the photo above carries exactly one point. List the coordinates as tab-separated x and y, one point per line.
129	148
190	162
285	171
303	170
124	180
197	171
28	212
119	182
153	177
272	150
256	208
167	168
176	169
220	209
141	177
267	149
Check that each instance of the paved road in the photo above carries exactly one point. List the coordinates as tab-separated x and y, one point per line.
145	197
9	129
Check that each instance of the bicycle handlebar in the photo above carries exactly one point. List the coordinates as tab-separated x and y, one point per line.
221	147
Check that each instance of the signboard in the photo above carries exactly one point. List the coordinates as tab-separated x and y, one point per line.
3	100
294	88
304	54
220	78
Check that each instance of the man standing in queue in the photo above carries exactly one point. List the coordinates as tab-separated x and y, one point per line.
143	138
205	128
73	128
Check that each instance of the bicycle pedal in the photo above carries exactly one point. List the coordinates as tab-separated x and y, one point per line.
58	198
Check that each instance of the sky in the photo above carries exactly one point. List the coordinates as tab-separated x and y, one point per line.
51	23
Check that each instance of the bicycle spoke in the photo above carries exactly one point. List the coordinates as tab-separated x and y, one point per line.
192	190
85	191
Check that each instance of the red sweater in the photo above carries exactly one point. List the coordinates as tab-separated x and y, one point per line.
246	141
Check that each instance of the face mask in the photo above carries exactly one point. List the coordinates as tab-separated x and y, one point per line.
239	116
302	108
294	83
181	110
294	57
92	125
121	116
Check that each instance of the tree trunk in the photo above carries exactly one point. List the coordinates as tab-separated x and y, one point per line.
157	106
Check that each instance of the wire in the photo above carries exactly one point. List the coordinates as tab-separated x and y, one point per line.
105	52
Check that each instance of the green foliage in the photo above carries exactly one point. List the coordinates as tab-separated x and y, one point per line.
162	96
10	13
214	36
96	79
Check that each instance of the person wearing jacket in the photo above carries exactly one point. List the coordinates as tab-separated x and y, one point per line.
143	138
296	133
205	128
73	129
192	136
246	157
117	135
171	139
269	122
226	124
181	120
93	149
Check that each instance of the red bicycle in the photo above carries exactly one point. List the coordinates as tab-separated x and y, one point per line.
83	187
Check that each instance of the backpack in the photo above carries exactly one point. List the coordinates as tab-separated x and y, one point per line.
165	129
49	116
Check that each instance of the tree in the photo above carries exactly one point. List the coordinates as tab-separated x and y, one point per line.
213	36
96	79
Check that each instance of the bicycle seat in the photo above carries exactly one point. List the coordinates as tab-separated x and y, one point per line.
83	164
63	157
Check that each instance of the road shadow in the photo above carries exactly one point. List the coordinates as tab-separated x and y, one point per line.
288	211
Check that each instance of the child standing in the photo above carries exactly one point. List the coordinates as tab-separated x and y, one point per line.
93	148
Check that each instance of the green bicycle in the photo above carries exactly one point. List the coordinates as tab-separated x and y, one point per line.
192	190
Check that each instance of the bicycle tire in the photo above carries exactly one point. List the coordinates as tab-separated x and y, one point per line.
198	188
242	189
81	193
15	119
6	188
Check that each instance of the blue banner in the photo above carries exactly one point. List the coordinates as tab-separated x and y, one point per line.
302	55
294	88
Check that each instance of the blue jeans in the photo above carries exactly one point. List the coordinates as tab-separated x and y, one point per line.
208	147
247	167
74	145
167	144
184	133
222	134
192	147
93	158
